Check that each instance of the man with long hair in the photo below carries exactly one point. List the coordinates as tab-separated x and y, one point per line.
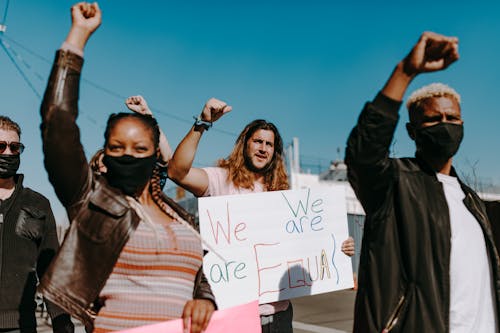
256	164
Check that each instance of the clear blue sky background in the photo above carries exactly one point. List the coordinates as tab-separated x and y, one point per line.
308	66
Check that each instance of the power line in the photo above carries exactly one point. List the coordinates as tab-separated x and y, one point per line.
15	55
3	27
23	75
118	95
319	162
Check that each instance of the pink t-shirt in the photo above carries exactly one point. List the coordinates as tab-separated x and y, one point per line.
219	184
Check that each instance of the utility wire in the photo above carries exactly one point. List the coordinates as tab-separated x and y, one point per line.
5	16
319	161
23	75
118	95
13	55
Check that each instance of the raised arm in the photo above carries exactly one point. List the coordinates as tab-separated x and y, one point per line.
138	104
64	156
433	52
367	153
180	168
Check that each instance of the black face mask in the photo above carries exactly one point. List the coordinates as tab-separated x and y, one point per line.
128	173
9	165
440	141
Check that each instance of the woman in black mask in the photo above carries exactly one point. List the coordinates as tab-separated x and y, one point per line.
131	256
139	105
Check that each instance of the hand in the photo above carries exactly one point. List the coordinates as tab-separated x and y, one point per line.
138	104
199	311
433	52
214	109
348	247
86	16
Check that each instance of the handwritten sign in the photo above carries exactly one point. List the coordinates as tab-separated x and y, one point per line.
242	319
275	245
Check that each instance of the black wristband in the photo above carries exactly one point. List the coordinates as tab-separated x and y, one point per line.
198	122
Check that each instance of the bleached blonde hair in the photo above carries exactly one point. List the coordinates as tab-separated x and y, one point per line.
429	91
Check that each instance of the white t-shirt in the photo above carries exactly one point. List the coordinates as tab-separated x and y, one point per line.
472	298
218	184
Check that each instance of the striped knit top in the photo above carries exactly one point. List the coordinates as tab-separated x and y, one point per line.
152	279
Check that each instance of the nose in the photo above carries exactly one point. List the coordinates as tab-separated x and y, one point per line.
8	151
443	117
128	151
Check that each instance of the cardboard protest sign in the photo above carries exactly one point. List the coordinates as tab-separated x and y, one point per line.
275	245
242	319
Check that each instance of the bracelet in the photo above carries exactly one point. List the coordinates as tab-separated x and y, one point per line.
198	122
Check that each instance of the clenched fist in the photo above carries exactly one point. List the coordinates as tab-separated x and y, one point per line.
214	109
86	18
433	52
138	104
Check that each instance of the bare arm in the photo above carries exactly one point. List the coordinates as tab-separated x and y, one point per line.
86	18
180	168
432	52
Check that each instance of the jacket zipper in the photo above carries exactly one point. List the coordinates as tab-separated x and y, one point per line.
393	319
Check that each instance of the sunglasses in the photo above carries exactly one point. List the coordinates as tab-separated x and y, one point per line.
16	148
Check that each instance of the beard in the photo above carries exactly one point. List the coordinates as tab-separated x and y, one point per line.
251	167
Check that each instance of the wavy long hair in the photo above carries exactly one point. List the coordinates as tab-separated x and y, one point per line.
275	176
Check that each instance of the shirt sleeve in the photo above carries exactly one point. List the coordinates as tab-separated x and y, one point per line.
217	182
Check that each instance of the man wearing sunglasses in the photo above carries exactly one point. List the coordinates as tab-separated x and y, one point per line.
28	241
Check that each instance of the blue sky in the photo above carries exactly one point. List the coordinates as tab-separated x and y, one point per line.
308	66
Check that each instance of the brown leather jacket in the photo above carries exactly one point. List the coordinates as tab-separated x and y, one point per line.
101	219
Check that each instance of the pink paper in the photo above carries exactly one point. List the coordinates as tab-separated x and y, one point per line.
241	319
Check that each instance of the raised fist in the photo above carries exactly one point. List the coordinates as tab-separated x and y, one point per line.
86	16
138	104
214	109
433	52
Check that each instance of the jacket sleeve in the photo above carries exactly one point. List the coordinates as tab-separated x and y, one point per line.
367	153
65	160
202	289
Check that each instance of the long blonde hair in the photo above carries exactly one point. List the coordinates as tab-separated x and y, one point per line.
275	176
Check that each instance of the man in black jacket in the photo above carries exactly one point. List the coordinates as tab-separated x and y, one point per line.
28	241
428	260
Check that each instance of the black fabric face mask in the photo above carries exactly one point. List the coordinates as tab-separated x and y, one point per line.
128	173
9	164
439	141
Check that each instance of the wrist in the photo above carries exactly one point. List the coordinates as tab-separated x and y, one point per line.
78	37
405	71
199	123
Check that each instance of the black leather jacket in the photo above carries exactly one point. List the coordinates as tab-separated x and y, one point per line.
28	242
404	282
101	218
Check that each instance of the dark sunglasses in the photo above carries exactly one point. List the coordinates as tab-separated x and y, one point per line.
16	148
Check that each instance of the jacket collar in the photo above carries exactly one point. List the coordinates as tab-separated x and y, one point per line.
108	198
